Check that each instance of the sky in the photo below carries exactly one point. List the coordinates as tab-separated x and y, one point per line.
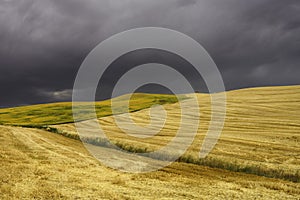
44	42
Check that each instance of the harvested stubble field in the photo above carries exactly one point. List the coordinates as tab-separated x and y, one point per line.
260	139
261	133
36	164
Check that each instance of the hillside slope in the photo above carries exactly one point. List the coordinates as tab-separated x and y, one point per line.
36	164
261	133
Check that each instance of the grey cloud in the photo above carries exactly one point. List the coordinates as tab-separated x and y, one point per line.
43	42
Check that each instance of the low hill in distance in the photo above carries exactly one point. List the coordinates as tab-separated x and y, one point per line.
61	113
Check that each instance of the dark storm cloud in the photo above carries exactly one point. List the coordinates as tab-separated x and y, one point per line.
43	42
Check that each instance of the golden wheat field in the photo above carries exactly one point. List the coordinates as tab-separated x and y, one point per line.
256	157
40	165
261	133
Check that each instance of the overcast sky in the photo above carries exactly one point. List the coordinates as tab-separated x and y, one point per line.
43	42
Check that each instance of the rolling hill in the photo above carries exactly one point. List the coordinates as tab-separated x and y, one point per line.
261	133
61	113
257	156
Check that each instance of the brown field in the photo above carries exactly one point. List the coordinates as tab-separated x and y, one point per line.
36	164
261	133
257	156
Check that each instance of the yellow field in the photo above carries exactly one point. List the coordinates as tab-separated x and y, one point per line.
260	139
36	164
261	134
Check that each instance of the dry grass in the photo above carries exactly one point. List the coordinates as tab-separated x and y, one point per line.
261	133
261	136
36	164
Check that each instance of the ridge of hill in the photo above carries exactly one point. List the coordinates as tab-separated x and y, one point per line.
61	113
